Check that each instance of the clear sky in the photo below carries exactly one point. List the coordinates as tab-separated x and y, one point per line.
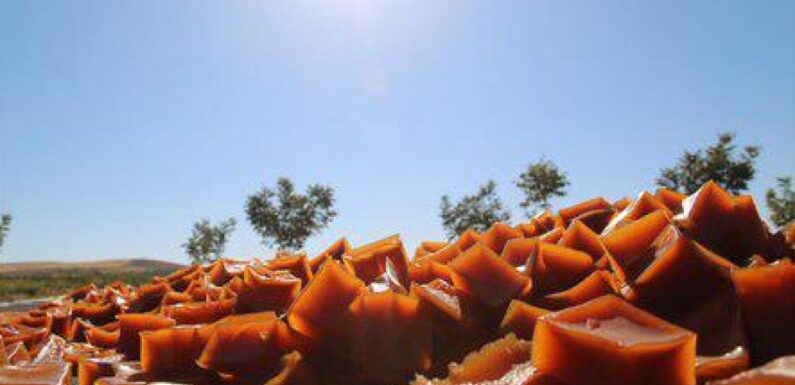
123	122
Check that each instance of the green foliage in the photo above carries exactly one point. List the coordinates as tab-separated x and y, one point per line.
719	163
5	225
542	181
286	218
39	284
476	211
207	242
782	203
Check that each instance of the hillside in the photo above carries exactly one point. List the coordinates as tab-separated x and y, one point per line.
26	280
109	264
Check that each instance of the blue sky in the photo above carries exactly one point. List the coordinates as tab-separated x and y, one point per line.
123	122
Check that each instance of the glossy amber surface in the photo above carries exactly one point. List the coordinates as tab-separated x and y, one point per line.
521	318
130	327
324	300
767	295
709	368
690	286
662	288
481	272
607	341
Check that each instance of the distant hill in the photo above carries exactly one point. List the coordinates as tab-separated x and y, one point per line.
108	264
27	280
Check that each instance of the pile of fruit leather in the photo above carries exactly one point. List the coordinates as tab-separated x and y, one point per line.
662	289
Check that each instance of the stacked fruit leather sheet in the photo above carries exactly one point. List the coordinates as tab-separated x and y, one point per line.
663	289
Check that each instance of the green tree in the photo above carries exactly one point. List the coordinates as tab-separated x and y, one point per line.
5	225
542	181
719	162
207	241
286	218
782	203
476	211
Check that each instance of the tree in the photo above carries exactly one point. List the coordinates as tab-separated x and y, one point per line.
207	242
286	218
782	204
476	211
719	162
542	181
5	225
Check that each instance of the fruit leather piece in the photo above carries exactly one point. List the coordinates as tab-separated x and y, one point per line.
427	247
294	371
247	349
77	330
297	265
778	372
333	252
690	286
569	213
607	341
596	220
171	350
49	373
131	372
450	314
518	250
492	361
368	262
597	284
645	204
729	226
709	368
496	236
61	317
671	199
148	296
505	361
631	245
480	272
91	369
467	239
580	237
130	325
552	236
97	314
119	381
767	294
421	270
102	338
520	319
555	268
74	352
195	313
324	301
385	339
224	270
271	291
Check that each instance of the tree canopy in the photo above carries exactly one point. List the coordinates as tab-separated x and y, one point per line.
476	211
207	241
542	181
721	162
286	218
5	225
782	202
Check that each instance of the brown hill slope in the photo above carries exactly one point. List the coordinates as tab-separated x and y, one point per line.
27	280
109	264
